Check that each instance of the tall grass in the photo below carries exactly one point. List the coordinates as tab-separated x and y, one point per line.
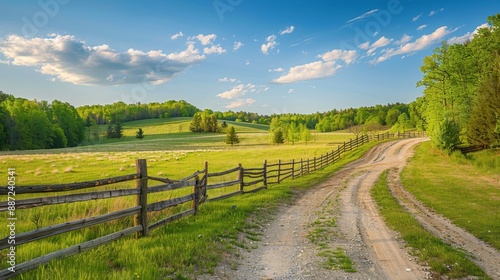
457	189
441	257
181	249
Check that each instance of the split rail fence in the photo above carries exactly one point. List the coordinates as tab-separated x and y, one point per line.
246	180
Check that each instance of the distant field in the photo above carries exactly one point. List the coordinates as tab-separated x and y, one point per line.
170	152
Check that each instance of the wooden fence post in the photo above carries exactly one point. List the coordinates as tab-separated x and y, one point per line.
301	168
196	191
141	183
293	169
308	166
240	177
279	170
265	173
314	164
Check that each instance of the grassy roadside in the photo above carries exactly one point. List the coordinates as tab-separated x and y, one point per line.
442	258
465	190
188	247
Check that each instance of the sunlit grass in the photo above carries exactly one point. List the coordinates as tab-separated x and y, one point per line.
468	196
441	257
186	247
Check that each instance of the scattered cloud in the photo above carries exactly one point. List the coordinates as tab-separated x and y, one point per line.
227	80
405	39
291	90
240	103
381	42
279	69
432	13
176	36
206	39
71	60
416	18
237	91
237	46
421	27
217	49
288	30
365	15
467	36
419	44
326	67
271	44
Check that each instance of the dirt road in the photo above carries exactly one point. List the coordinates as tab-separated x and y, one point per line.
286	252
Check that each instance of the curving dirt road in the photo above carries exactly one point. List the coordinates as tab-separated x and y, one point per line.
285	251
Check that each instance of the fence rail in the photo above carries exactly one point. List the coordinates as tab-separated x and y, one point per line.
246	180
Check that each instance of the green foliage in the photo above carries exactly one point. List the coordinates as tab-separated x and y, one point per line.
446	135
114	131
139	134
204	121
483	127
456	80
441	257
231	136
278	137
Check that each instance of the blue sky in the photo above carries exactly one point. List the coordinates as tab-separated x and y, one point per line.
261	56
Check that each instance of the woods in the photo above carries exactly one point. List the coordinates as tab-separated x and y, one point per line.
30	124
461	101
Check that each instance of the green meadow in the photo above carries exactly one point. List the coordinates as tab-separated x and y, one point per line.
186	247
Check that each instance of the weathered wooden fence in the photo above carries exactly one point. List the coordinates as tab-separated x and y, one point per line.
246	180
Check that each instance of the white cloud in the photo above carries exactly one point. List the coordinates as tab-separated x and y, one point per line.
271	44
237	91
467	36
405	39
206	39
288	30
419	44
279	69
381	42
70	60
324	68
226	80
364	46
214	49
177	36
237	46
365	15
421	27
291	90
346	56
416	18
240	103
432	13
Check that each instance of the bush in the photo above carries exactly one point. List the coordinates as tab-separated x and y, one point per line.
446	135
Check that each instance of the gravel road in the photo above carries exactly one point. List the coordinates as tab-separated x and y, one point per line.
286	252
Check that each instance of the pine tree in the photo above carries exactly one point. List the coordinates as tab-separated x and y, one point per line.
231	136
110	131
118	130
195	125
139	134
278	137
484	122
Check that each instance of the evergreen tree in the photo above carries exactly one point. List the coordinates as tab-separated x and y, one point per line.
231	136
278	137
139	134
110	131
195	125
484	123
118	130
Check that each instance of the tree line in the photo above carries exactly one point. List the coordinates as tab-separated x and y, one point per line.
30	124
461	96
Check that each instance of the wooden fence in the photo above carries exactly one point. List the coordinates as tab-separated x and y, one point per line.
246	180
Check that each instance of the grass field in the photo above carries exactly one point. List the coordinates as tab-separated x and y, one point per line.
465	190
441	257
174	250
